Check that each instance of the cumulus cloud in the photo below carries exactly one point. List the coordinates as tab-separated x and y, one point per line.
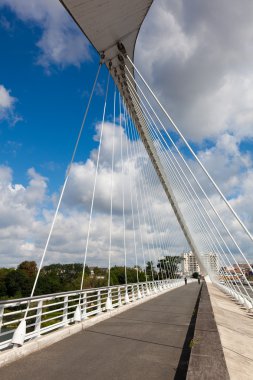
228	165
199	64
232	171
7	106
61	42
198	58
6	100
26	212
19	209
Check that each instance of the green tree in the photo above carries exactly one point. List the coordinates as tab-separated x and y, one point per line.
118	275
18	284
29	267
195	275
99	271
61	277
150	270
48	283
3	274
169	265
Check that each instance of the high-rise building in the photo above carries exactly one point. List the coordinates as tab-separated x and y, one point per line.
209	261
190	264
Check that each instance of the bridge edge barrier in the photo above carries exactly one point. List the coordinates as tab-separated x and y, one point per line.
207	360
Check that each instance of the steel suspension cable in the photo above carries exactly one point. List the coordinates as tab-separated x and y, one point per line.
194	155
182	170
64	186
95	181
214	209
111	200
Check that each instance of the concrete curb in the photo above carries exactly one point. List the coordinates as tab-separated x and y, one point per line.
42	342
235	330
207	359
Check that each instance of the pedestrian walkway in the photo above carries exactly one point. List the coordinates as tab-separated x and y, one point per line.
145	342
235	327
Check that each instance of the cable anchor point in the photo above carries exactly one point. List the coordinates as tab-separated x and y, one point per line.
102	57
122	48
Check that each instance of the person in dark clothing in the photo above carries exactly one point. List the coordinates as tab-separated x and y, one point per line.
199	279
185	281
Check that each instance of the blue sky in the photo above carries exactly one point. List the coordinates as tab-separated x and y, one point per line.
49	102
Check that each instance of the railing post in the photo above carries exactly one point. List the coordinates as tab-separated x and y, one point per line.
133	295
108	305
138	292
119	297
126	295
19	334
99	308
147	289
65	310
38	317
1	316
143	290
84	311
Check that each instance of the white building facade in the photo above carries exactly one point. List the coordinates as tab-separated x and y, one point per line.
190	264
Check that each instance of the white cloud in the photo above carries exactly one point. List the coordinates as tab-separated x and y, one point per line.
7	107
26	213
198	58
199	62
6	100
61	42
18	215
227	164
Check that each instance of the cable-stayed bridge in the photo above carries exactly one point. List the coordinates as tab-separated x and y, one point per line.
167	199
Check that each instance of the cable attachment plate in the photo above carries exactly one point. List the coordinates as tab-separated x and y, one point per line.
122	49
102	57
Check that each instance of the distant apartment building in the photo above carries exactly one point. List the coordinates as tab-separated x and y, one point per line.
209	260
189	263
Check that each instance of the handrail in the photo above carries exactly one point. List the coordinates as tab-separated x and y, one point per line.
50	312
42	296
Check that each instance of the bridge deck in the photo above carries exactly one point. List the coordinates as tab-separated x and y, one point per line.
145	342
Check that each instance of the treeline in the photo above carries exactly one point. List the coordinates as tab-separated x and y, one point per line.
54	278
17	283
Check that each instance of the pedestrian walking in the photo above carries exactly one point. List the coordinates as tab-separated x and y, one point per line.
185	281
199	279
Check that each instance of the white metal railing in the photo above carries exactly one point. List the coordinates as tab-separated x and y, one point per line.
50	312
242	299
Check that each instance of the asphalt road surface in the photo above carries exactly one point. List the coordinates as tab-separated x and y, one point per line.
145	342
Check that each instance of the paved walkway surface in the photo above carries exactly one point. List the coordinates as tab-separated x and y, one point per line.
145	342
235	327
